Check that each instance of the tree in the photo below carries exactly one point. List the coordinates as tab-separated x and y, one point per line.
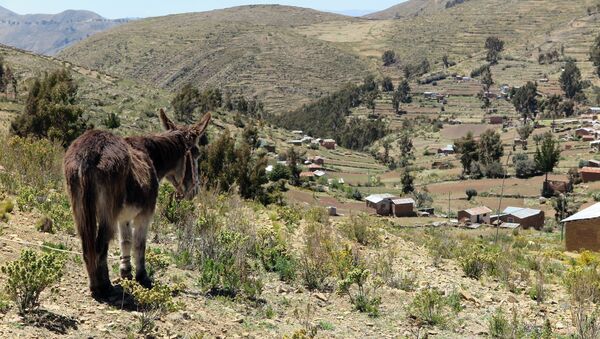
490	147
595	54
401	95
471	192
422	198
185	102
525	100
445	60
407	182
251	174
250	135
467	147
552	105
387	85
369	83
570	79
486	79
370	100
548	155
279	172
406	149
494	46
51	110
524	167
567	108
525	131
292	162
388	57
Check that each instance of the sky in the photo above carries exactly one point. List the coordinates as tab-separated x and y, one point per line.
145	8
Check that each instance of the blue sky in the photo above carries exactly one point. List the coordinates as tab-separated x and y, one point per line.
145	8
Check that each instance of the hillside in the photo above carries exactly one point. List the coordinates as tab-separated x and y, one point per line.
50	33
251	50
99	94
409	8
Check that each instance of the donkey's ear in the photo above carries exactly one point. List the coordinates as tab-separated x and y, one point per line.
166	122
200	127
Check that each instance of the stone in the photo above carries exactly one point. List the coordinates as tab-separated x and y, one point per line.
321	296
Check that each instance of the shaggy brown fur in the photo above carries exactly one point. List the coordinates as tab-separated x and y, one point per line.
113	181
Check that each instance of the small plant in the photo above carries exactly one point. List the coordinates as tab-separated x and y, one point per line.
498	326
31	274
152	303
363	298
473	264
428	307
112	121
6	207
156	262
316	263
4	303
272	249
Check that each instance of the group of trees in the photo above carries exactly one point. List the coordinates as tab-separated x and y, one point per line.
329	116
481	158
190	101
51	110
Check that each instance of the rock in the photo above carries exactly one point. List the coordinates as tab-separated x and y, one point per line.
370	324
44	225
321	296
239	320
281	289
468	297
559	326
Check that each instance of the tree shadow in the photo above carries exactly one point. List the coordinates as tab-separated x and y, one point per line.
53	322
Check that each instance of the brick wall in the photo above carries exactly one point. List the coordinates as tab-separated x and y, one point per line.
583	234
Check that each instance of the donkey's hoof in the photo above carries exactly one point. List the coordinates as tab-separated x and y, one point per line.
103	293
144	281
126	274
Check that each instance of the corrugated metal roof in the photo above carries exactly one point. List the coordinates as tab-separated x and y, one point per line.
590	170
521	212
478	210
376	198
591	212
403	201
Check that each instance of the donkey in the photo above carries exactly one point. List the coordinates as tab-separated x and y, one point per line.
113	182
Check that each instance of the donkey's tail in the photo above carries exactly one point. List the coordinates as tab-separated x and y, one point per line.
84	210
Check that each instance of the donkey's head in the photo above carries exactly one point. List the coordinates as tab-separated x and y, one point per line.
185	174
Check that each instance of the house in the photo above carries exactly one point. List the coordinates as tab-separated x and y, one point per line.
319	173
295	142
582	229
314	167
266	145
476	215
496	120
447	150
307	139
580	132
590	174
526	217
588	138
440	165
593	163
519	142
404	207
595	145
382	203
328	143
297	132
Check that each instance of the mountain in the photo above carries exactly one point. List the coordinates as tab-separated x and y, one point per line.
410	8
49	33
250	50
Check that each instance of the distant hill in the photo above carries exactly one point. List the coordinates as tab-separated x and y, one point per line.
49	33
411	8
251	50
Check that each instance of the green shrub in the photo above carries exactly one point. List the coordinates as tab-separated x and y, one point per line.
363	297
156	262
429	307
316	263
112	121
6	207
31	274
498	325
151	303
476	261
471	193
273	251
290	215
362	229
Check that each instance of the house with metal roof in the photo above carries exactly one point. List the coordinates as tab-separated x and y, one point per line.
403	207
526	217
582	229
382	203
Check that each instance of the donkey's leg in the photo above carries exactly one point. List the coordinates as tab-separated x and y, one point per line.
103	287
140	232
125	238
